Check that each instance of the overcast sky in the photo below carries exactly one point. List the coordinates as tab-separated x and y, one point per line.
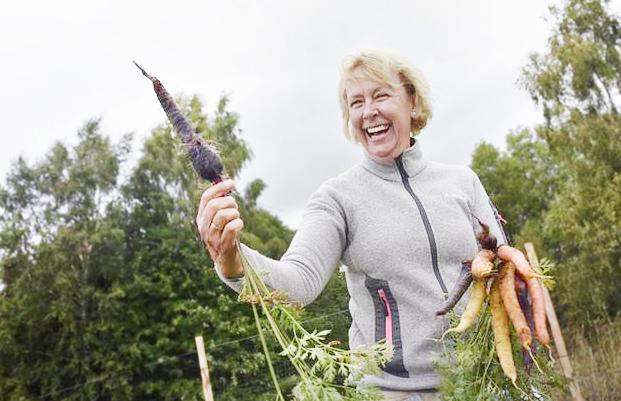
64	62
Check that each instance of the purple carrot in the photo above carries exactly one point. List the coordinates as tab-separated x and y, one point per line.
485	238
458	291
204	157
522	294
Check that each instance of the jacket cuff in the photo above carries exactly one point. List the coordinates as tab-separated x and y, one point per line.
236	283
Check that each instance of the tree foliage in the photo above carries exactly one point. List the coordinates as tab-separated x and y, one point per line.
566	194
521	181
581	69
105	282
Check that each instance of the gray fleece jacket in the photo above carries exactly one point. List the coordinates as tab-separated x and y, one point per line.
402	229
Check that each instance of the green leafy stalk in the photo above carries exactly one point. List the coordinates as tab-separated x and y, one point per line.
326	371
470	370
266	351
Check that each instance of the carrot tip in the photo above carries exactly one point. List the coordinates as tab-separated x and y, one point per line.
453	330
143	71
535	361
550	356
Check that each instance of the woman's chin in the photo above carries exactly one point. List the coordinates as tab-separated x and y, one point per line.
381	154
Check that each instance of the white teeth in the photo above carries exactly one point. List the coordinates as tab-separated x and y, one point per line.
377	128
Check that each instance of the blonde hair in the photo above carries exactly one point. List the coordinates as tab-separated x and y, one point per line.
381	66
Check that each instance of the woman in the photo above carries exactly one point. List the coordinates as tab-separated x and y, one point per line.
401	224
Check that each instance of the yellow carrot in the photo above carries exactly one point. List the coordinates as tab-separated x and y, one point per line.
502	335
477	298
482	265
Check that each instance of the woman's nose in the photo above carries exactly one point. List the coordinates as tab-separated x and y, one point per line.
369	111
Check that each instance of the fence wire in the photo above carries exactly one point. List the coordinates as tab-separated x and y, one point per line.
283	368
260	384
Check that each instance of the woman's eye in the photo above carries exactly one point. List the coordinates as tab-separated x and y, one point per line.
382	95
355	103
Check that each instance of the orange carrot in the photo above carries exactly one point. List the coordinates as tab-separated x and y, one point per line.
502	335
509	254
506	286
477	298
535	290
482	265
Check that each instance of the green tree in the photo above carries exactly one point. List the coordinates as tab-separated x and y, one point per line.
521	181
61	256
580	73
106	284
563	188
578	83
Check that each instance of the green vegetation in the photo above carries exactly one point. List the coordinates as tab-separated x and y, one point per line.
106	284
471	371
559	184
561	189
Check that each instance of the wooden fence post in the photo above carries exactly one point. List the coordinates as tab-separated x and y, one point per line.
202	363
559	342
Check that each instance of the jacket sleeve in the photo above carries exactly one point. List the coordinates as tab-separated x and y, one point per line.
313	254
485	210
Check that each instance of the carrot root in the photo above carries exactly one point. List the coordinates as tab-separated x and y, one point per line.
482	266
506	287
459	290
535	362
204	157
475	303
502	336
539	313
509	254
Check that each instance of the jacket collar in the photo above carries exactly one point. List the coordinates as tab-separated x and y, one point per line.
412	159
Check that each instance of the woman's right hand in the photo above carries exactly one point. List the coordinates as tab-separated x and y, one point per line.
219	224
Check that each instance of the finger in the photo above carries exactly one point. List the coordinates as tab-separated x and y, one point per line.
216	191
215	230
226	207
205	215
203	223
213	253
223	216
212	240
212	247
214	205
229	235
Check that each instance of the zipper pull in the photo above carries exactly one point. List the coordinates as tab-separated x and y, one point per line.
388	320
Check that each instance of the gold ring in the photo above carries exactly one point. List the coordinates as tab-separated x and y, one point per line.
217	227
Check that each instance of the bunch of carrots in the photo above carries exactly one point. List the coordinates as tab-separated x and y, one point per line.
515	295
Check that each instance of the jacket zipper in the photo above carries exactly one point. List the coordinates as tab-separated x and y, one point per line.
387	325
432	241
388	316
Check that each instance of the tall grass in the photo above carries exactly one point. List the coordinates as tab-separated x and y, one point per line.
596	360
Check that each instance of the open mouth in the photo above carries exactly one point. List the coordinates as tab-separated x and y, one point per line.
377	130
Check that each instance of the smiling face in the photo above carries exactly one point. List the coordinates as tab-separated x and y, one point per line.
380	115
